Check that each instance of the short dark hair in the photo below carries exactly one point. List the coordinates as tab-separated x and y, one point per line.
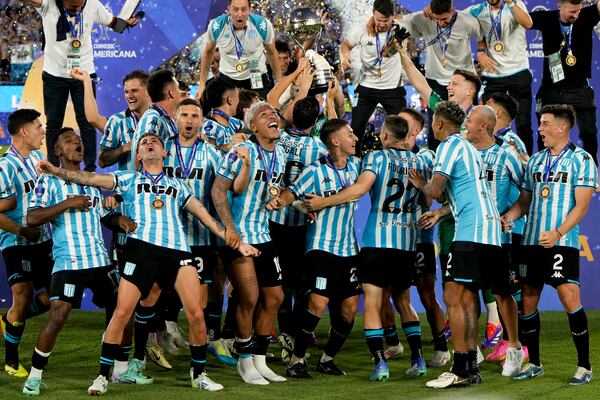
157	83
574	2
306	112
451	112
563	111
137	145
415	114
215	91
60	132
440	6
507	102
137	74
20	118
396	126
385	7
189	102
282	46
330	127
246	99
183	86
473	78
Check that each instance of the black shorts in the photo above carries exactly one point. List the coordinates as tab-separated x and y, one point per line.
205	260
119	245
333	276
386	267
68	286
502	277
147	263
553	266
267	268
473	264
425	260
29	263
290	242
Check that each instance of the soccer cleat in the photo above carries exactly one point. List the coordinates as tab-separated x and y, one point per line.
176	334
439	359
499	352
417	368
447	330
298	371
248	372
157	356
529	371
260	363
493	333
203	382
476	378
480	357
133	374
380	372
329	368
448	380
99	386
287	346
394	351
18	372
514	359
220	350
581	377
165	340
31	387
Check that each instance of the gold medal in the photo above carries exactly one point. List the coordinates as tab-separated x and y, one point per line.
76	43
158	204
545	192
444	64
379	72
273	191
499	47
239	67
570	60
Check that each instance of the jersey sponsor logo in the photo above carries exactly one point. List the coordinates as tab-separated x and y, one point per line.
160	189
261	175
129	268
196	173
69	290
560	177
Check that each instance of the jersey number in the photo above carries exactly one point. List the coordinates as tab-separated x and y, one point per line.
409	204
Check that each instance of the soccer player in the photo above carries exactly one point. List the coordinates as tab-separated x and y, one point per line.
558	187
158	255
220	126
331	248
26	250
504	171
289	226
253	171
459	174
80	257
389	240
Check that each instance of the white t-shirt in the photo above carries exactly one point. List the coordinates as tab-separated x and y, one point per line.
252	42
55	58
514	57
391	67
458	53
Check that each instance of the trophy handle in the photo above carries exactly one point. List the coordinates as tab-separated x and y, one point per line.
316	39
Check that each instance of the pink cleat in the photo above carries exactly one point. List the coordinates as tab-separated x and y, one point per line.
499	352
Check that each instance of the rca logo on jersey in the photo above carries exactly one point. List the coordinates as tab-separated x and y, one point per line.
262	176
562	177
196	173
147	188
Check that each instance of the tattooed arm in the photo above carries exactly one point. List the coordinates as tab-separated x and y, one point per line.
219	196
104	181
196	208
434	188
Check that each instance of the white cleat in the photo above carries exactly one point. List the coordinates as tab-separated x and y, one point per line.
248	372
203	382
99	386
514	359
176	334
394	351
260	363
480	357
439	359
165	340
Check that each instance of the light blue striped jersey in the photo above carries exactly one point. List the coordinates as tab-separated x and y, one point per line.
504	171
333	231
575	169
119	130
508	135
18	179
155	121
300	152
202	171
76	235
248	209
219	133
391	221
467	191
428	157
155	208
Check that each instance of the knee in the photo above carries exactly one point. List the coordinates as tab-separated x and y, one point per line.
274	300
59	315
121	316
195	316
451	299
349	311
248	302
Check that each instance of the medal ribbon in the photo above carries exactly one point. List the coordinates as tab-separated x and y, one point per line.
446	32
154	179
239	47
548	167
220	113
379	58
167	117
341	177
271	168
31	171
496	23
502	132
297	132
567	33
78	20
186	168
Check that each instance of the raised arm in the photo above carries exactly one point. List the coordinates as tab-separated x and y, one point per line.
34	3
521	16
241	181
89	102
104	181
282	85
273	59
415	77
345	60
207	57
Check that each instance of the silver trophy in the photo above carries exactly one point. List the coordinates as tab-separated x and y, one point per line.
305	28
